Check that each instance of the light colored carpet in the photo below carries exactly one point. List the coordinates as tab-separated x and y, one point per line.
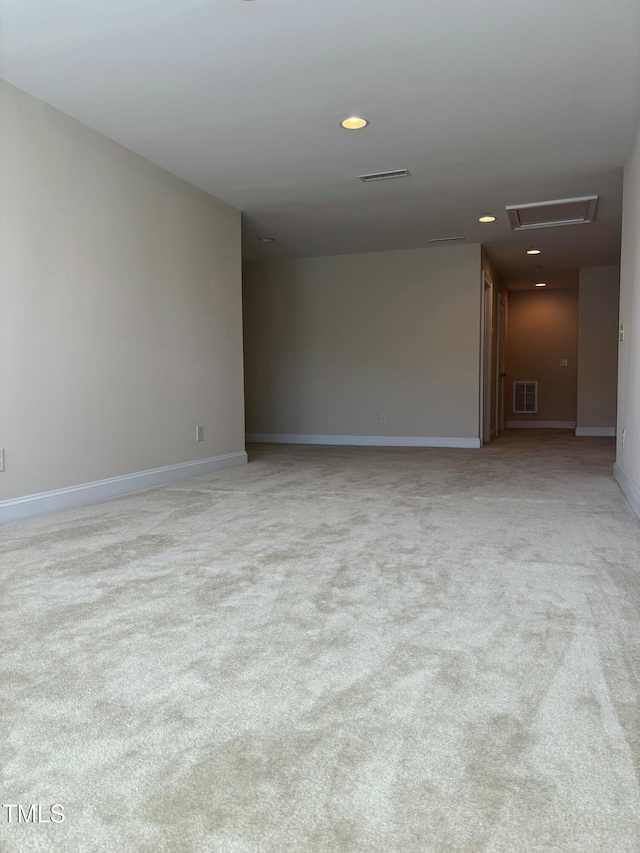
328	650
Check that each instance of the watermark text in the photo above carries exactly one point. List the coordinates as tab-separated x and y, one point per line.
32	813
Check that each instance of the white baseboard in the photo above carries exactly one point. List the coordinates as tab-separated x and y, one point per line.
541	425
608	432
363	440
30	506
629	489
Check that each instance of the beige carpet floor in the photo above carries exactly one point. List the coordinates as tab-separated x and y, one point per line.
332	650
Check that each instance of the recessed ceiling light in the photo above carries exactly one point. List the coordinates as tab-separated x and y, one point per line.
541	284
533	251
267	239
487	218
353	123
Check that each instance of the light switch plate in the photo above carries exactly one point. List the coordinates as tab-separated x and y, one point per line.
564	362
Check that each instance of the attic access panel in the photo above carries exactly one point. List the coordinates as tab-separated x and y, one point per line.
550	214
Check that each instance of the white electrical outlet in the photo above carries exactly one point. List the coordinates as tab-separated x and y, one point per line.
382	419
621	332
624	433
199	433
1	459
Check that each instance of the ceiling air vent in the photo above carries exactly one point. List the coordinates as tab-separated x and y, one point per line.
525	398
385	176
550	214
438	241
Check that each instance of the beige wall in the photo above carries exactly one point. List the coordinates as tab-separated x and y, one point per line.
627	469
542	330
331	343
598	347
120	320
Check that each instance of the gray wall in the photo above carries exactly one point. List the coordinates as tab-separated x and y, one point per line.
598	347
331	343
627	469
120	320
542	330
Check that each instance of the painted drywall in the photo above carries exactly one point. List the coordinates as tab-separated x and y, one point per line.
627	470
543	330
120	320
599	296
332	343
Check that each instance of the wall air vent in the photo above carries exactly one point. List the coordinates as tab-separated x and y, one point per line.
550	214
439	241
525	398
385	176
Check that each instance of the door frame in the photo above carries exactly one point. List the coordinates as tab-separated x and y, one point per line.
486	357
501	351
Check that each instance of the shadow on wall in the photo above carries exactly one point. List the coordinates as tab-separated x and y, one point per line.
542	347
566	340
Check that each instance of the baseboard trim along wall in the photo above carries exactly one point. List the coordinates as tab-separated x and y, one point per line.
608	432
629	489
30	506
363	440
541	425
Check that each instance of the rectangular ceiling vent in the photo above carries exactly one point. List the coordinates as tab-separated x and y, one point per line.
385	176
525	398
440	240
550	214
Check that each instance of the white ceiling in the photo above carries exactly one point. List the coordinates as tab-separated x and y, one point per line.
487	102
